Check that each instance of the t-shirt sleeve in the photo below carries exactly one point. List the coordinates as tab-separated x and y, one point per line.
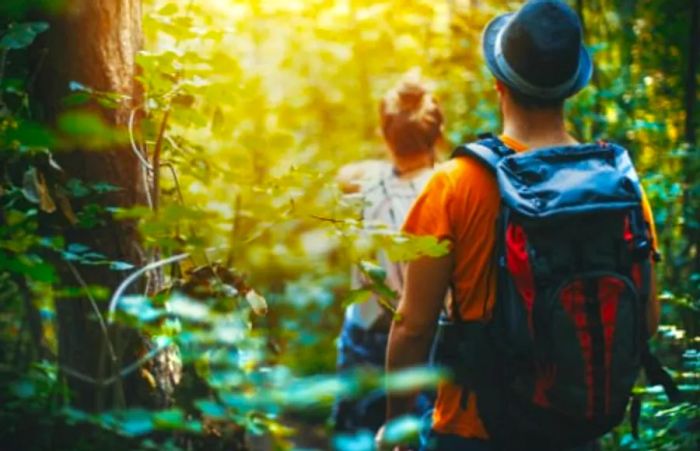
429	214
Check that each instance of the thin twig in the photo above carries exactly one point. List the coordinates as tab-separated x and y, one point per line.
101	363
194	153
37	70
140	362
95	308
118	391
147	186
119	292
331	220
134	146
170	166
133	277
156	160
142	156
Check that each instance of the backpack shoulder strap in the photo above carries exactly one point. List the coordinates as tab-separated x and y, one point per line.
489	150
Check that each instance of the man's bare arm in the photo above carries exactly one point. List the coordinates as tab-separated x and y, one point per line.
653	306
427	281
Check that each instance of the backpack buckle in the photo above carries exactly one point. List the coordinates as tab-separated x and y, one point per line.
641	248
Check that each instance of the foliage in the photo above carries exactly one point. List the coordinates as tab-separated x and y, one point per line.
259	104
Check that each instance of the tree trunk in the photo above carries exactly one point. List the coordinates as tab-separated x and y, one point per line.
691	99
95	42
691	91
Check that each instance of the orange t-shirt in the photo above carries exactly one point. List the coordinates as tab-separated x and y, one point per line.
461	203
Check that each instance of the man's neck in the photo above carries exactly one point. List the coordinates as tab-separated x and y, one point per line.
537	128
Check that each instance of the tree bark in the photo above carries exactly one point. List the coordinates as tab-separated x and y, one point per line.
691	91
690	101
95	42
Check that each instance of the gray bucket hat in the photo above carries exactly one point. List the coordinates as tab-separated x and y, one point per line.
539	50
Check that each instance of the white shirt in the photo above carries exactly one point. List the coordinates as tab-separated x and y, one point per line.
388	199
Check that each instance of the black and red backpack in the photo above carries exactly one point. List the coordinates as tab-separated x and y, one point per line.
554	365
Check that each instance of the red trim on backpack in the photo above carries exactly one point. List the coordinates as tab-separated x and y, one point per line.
545	377
520	269
627	234
609	291
573	299
636	274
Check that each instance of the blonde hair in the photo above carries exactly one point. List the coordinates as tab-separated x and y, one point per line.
411	118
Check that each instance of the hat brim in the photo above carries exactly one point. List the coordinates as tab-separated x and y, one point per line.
489	49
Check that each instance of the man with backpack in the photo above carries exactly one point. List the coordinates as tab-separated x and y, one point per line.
552	246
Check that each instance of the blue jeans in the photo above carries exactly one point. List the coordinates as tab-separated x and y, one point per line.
359	348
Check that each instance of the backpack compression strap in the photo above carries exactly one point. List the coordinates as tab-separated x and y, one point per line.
489	150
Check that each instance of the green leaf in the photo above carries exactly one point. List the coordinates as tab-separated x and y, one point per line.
91	216
187	308
414	379
357	297
24	389
89	131
30	266
385	293
104	187
136	422
375	272
169	9
211	408
140	307
76	416
77	248
169	419
403	430
120	266
76	99
29	135
22	35
405	248
316	391
138	212
79	123
77	189
75	86
359	441
96	291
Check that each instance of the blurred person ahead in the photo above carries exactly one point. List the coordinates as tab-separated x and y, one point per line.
552	244
411	123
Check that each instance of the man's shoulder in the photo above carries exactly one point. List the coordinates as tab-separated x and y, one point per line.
464	172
